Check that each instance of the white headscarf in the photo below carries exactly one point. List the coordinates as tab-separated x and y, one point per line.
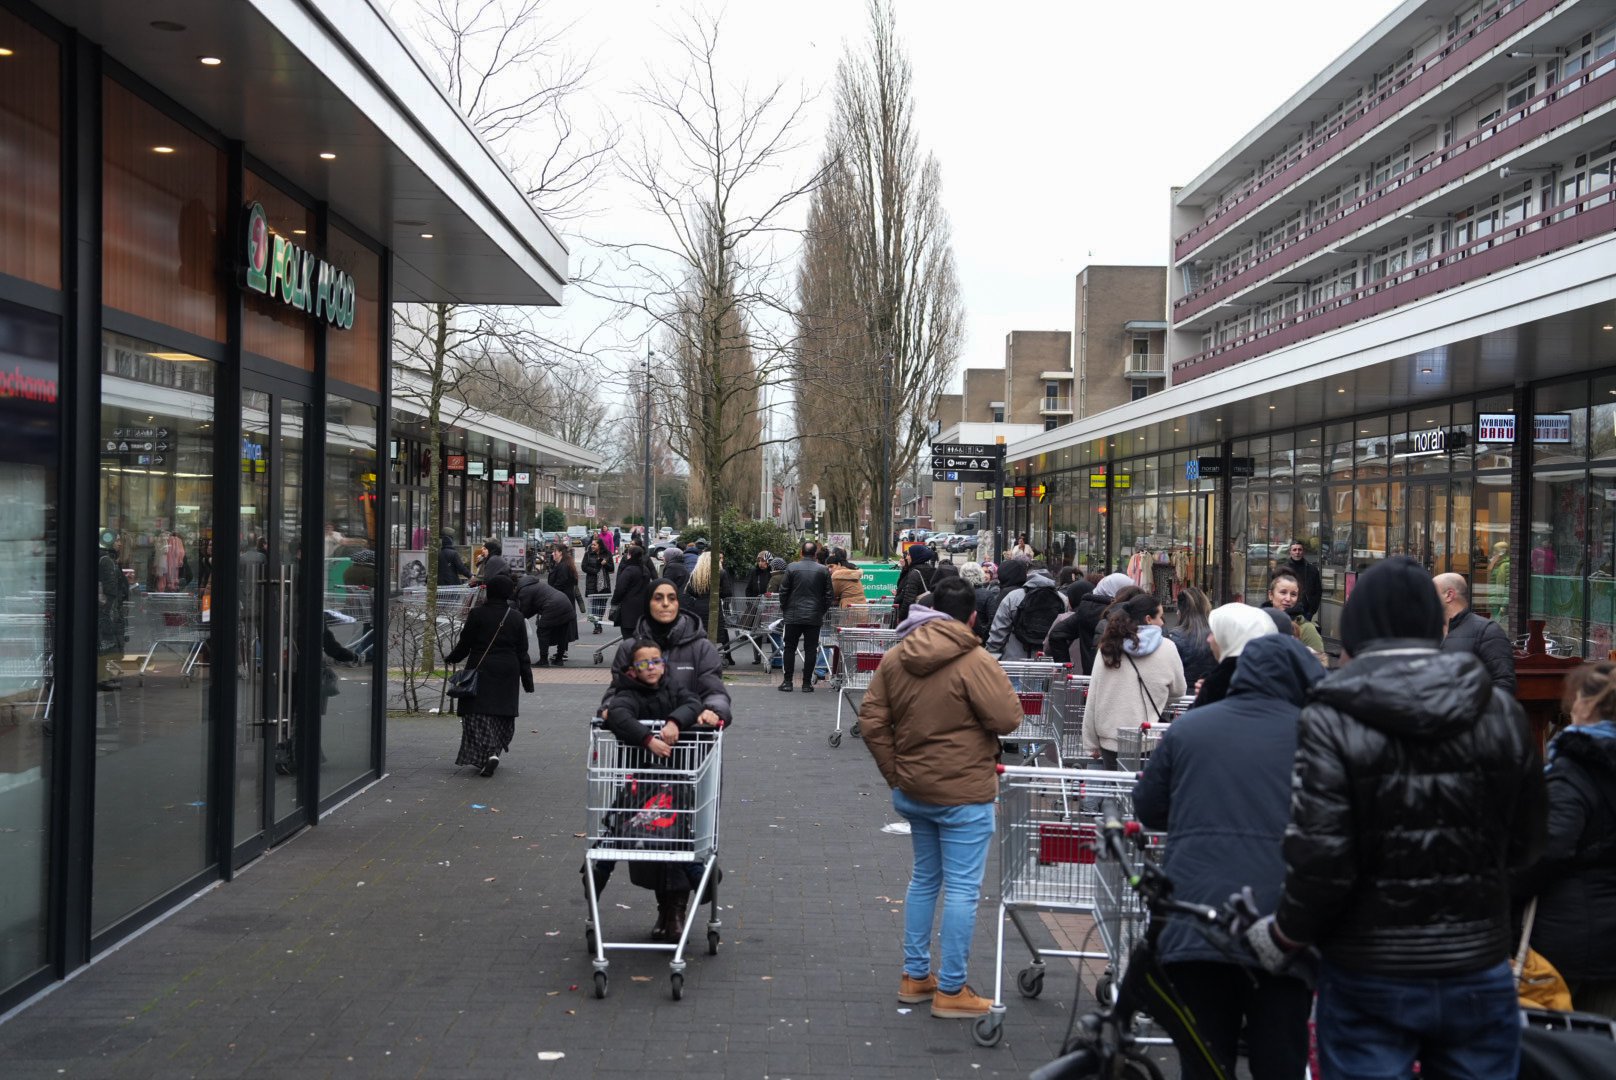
1235	625
1112	584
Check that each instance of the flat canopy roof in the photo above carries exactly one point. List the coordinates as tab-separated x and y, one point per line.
300	78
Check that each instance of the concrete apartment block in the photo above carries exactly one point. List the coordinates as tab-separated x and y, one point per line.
1121	321
983	388
1036	362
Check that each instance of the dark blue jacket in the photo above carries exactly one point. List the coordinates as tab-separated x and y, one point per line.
1220	784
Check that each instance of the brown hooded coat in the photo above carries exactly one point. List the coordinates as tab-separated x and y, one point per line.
934	713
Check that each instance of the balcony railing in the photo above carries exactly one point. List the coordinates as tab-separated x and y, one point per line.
1555	107
1141	365
1406	87
1056	405
1571	223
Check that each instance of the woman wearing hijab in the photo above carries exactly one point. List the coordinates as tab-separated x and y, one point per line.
1233	627
633	586
494	642
758	583
1086	632
689	663
1138	674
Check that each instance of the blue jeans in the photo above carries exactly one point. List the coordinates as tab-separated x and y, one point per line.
951	850
1462	1027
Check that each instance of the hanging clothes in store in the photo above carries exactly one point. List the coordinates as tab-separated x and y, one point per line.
1136	567
169	554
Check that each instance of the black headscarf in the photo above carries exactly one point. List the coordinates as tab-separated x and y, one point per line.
500	589
1392	599
661	633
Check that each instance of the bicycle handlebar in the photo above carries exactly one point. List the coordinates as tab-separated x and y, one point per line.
1236	915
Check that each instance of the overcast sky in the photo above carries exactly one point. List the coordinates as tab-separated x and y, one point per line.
1060	125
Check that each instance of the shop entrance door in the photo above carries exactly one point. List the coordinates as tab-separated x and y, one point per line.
1428	536
1207	544
274	775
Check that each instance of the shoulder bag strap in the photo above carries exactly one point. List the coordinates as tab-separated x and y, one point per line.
492	636
1144	691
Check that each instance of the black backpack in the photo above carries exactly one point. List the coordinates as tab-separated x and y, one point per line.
1037	613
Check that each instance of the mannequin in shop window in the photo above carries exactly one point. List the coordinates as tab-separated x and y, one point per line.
171	569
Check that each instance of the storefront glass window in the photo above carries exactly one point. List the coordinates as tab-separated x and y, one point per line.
1490	583
351	568
30	158
28	545
1559	535
162	205
1560	428
1601	565
154	665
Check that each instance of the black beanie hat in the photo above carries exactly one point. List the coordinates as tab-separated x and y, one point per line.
1392	599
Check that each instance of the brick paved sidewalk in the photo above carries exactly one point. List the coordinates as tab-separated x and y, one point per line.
432	927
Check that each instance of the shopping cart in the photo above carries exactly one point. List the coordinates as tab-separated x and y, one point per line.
597	604
644	809
349	604
1135	743
27	676
1177	707
1048	832
1120	917
876	616
1033	681
744	618
174	622
1068	695
861	651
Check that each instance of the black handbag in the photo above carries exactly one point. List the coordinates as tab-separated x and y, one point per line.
463	683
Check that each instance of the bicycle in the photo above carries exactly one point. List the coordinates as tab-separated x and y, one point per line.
1103	1042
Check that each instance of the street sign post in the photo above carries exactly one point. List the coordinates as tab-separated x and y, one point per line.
966	463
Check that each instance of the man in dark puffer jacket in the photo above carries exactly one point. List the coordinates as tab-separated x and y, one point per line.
1470	631
1416	791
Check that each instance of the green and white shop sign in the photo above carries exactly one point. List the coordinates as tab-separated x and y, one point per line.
283	271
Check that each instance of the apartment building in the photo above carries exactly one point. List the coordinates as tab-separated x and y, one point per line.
1118	352
1391	328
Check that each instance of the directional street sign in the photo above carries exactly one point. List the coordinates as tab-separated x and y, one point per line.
977	450
952	461
964	476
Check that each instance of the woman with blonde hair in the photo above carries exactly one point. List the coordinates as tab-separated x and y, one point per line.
698	591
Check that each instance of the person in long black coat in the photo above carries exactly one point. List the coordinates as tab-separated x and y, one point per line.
632	590
452	568
555	626
597	569
563	575
494	641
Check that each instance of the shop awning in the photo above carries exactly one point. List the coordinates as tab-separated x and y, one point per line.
299	79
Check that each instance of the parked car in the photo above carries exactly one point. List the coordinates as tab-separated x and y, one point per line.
967	542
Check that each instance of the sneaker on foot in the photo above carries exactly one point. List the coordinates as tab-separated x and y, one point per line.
914	991
962	1004
807	687
490	765
786	687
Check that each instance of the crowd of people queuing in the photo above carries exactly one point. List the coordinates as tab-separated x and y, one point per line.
1387	805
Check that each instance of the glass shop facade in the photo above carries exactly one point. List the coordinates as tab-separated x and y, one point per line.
1524	509
192	388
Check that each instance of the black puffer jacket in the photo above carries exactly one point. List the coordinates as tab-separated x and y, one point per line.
536	599
913	583
1416	791
987	606
1575	881
1472	633
691	661
1195	653
805	594
1086	630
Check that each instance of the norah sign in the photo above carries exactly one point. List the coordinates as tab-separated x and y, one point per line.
281	270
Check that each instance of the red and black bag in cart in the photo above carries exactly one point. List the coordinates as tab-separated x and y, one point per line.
649	814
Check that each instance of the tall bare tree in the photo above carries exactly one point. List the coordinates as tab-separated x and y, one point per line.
880	301
712	285
505	65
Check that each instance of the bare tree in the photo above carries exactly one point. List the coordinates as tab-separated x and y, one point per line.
712	286
880	303
502	62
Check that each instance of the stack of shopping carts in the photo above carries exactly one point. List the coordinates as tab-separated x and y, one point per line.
876	616
1068	695
751	619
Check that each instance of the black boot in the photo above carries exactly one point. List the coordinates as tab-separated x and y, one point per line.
678	904
659	932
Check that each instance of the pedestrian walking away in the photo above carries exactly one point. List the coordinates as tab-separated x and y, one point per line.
1574	882
496	641
1222	837
452	569
631	592
932	719
1416	791
1025	614
1137	676
1472	632
805	596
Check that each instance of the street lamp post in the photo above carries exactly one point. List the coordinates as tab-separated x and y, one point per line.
648	355
885	494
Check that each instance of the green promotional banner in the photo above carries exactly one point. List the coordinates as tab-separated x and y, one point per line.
880	580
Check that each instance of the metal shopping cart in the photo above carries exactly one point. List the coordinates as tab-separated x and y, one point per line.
1048	838
1068	696
861	651
174	621
1120	917
644	809
876	616
747	619
1134	744
349	604
1033	681
597	604
27	674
